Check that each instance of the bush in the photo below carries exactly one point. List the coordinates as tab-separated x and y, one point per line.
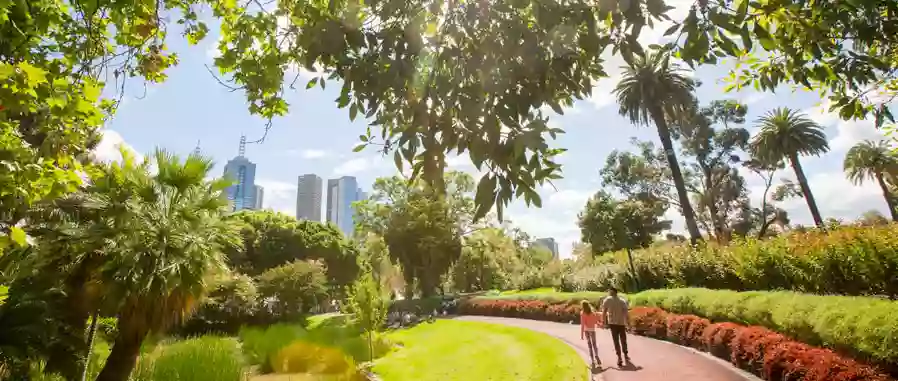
292	290
206	358
864	327
231	304
305	357
849	260
260	344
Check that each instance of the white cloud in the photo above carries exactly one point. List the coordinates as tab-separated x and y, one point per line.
314	154
557	218
279	196
843	134
836	197
108	149
359	165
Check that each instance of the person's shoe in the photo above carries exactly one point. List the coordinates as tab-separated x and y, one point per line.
619	362
627	360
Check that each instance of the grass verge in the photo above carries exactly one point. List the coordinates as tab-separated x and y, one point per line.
450	350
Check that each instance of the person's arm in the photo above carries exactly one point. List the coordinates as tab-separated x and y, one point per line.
582	325
627	314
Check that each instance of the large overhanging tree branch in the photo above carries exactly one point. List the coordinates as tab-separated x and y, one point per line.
435	77
846	50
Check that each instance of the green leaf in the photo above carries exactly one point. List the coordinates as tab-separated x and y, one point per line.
397	159
485	196
18	236
353	112
35	75
673	29
311	83
359	147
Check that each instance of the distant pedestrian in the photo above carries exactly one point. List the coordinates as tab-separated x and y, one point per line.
588	322
616	315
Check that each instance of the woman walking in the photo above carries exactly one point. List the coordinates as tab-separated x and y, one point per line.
589	320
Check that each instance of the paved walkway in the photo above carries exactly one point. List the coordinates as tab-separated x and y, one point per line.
653	360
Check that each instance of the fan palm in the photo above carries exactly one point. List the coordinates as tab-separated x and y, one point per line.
175	239
874	161
786	135
653	90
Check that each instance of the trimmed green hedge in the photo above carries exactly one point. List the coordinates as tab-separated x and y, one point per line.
865	327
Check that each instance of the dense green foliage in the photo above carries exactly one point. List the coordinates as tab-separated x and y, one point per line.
367	302
865	327
274	239
289	292
204	358
849	260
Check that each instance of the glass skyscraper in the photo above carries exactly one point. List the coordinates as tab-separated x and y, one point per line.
243	172
341	193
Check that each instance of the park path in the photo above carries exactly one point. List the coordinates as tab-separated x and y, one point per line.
653	360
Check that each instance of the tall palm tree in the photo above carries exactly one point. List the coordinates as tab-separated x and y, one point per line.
873	160
654	90
785	135
172	245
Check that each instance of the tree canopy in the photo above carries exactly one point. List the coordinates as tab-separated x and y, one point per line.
273	239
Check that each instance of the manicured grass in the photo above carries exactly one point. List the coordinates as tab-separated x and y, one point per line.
451	350
541	290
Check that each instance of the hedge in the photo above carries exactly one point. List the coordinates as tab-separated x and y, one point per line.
866	328
863	328
850	260
765	353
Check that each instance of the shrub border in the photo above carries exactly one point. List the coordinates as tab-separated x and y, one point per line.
758	350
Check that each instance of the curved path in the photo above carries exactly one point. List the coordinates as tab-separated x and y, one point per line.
653	360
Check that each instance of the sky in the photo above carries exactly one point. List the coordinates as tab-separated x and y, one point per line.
191	107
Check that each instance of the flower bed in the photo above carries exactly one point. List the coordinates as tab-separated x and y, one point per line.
763	352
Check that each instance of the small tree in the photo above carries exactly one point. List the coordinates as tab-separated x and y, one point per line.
367	301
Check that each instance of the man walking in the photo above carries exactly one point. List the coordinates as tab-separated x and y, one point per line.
616	315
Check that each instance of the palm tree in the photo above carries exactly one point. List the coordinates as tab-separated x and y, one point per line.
653	90
873	160
172	245
786	135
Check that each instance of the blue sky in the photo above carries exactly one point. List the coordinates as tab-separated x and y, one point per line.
316	137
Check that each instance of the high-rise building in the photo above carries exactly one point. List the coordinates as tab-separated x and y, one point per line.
341	193
548	243
260	195
308	197
243	172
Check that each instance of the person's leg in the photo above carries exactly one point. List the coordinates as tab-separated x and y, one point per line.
590	343
615	337
593	347
623	343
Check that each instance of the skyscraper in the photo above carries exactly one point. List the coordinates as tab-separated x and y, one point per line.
243	172
548	243
341	193
308	197
260	195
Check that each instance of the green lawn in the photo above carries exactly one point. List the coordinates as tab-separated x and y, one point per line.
450	350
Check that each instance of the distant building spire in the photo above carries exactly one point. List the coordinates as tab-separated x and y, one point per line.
242	151
196	151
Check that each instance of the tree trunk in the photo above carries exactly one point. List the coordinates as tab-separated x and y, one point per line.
683	195
123	358
806	190
890	199
633	269
91	334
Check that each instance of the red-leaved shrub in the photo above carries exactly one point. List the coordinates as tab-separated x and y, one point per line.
768	354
